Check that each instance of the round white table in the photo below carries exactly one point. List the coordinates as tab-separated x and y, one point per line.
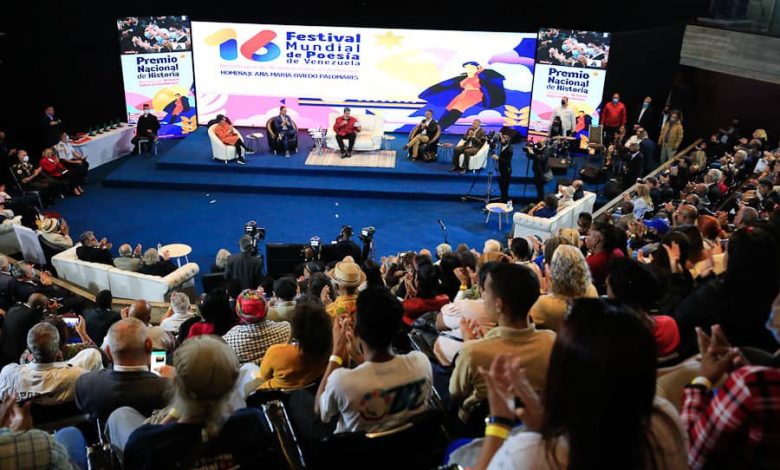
256	138
499	208
178	251
318	136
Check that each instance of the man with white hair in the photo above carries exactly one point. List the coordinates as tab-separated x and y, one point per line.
47	380
94	251
129	383
129	259
491	246
442	249
177	314
206	373
711	180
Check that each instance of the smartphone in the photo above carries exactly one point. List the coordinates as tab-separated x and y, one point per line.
71	321
157	362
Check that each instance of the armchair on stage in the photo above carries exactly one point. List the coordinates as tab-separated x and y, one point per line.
478	161
221	151
273	141
430	149
369	137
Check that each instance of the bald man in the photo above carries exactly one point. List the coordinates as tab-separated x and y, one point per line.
685	214
142	310
129	383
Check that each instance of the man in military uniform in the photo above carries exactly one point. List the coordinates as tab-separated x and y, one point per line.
34	179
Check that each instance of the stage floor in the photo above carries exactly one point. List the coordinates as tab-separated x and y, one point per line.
187	164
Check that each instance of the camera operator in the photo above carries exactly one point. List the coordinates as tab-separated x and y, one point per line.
245	268
346	247
540	155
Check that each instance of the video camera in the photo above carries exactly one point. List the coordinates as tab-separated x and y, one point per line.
255	233
367	233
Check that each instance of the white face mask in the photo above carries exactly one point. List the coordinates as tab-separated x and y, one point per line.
25	159
146	112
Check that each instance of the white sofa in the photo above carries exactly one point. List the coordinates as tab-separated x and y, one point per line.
478	160
9	244
527	225
95	277
219	150
369	137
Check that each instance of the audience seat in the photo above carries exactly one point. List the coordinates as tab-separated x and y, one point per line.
527	225
477	161
420	443
369	137
95	277
8	241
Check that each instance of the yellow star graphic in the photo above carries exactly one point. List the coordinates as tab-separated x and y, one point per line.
388	40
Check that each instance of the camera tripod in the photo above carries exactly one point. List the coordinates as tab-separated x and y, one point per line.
490	167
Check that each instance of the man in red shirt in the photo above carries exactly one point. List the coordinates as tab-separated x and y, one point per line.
613	117
347	127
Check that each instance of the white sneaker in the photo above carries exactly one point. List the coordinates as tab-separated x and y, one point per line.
250	152
241	161
287	154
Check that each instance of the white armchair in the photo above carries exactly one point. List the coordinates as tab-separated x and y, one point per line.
527	225
8	242
219	150
477	161
369	137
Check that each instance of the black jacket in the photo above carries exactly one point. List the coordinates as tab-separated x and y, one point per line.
98	323
632	168
7	290
18	322
161	268
101	392
94	255
246	269
505	160
146	123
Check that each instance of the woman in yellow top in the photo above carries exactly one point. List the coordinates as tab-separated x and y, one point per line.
568	278
297	364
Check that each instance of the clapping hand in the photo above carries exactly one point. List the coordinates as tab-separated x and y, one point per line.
342	328
718	357
15	417
470	329
674	257
507	380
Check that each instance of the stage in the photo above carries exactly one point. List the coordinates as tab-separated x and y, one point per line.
187	164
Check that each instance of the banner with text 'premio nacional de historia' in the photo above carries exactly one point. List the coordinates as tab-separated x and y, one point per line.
157	70
571	64
247	71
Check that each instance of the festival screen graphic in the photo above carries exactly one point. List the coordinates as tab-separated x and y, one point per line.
157	70
570	64
247	71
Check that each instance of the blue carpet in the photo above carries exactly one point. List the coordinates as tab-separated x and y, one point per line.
208	209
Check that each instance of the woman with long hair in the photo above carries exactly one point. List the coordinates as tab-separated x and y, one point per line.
599	408
604	243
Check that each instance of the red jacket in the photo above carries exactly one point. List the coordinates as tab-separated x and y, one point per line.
613	115
52	167
344	128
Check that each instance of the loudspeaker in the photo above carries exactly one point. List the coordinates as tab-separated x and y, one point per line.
283	258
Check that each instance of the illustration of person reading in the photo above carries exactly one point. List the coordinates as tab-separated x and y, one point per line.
475	89
175	108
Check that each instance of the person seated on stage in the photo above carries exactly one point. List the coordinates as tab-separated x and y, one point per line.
154	266
230	136
347	127
54	167
422	134
35	179
69	155
286	130
473	140
546	208
93	250
129	259
146	128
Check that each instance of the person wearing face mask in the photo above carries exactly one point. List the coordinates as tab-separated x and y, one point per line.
69	155
147	127
568	121
645	118
34	179
671	136
613	117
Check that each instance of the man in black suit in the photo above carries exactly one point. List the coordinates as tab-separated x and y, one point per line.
646	116
632	168
245	268
18	322
146	128
26	284
52	127
504	159
130	383
7	284
93	250
648	149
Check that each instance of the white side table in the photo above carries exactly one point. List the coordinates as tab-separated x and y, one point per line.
178	251
387	140
500	208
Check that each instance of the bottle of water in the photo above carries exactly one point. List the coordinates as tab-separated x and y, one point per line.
159	248
509	205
